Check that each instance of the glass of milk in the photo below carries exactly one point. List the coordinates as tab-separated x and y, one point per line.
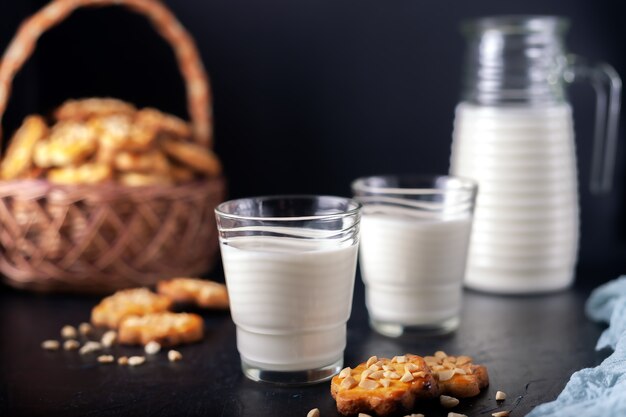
290	263
414	238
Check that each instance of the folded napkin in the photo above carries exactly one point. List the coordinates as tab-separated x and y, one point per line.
599	391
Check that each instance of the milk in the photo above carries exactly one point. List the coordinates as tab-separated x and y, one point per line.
290	299
412	266
526	224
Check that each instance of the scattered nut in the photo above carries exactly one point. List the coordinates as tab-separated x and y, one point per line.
460	371
501	414
414	415
407	377
50	344
68	332
388	368
348	383
500	396
106	359
90	347
368	384
345	372
451	414
366	373
374	367
462	360
400	359
364	415
411	367
432	359
391	375
174	356
313	413
152	348
122	360
376	375
136	360
71	344
85	329
385	382
448	402
445	375
440	354
108	338
372	360
419	374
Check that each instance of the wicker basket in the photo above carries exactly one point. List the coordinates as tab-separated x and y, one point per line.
100	238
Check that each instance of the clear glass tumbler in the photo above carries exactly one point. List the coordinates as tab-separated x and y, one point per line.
414	239
290	263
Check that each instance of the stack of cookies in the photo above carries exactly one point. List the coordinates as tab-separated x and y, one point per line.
141	316
95	140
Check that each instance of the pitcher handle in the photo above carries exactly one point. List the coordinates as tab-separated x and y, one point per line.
608	86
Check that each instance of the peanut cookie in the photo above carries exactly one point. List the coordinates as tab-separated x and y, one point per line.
181	174
203	293
139	179
192	155
19	155
83	109
152	161
168	329
69	143
88	173
134	302
383	386
154	119
115	131
457	376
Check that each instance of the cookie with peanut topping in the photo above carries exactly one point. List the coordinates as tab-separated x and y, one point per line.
83	109
203	293
457	376
168	329
133	302
383	386
18	160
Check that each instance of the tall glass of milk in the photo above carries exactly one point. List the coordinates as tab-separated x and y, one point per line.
514	135
290	263
414	237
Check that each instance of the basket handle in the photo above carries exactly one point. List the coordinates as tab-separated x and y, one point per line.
165	23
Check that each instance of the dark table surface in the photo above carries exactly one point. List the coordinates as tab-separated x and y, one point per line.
531	345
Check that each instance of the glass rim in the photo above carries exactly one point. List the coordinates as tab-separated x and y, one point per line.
354	207
463	184
516	24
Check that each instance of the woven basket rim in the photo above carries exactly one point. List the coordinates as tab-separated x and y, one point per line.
36	188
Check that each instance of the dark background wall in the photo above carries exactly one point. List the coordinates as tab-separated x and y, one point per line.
311	94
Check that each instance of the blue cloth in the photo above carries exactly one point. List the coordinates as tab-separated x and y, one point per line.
599	391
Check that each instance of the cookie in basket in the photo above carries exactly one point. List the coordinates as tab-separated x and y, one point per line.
88	173
168	329
69	144
18	160
83	109
203	293
193	155
153	119
383	386
133	302
457	376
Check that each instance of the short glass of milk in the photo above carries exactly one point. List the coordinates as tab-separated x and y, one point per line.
414	240
290	263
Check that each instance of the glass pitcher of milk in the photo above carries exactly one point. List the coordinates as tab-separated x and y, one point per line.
513	134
